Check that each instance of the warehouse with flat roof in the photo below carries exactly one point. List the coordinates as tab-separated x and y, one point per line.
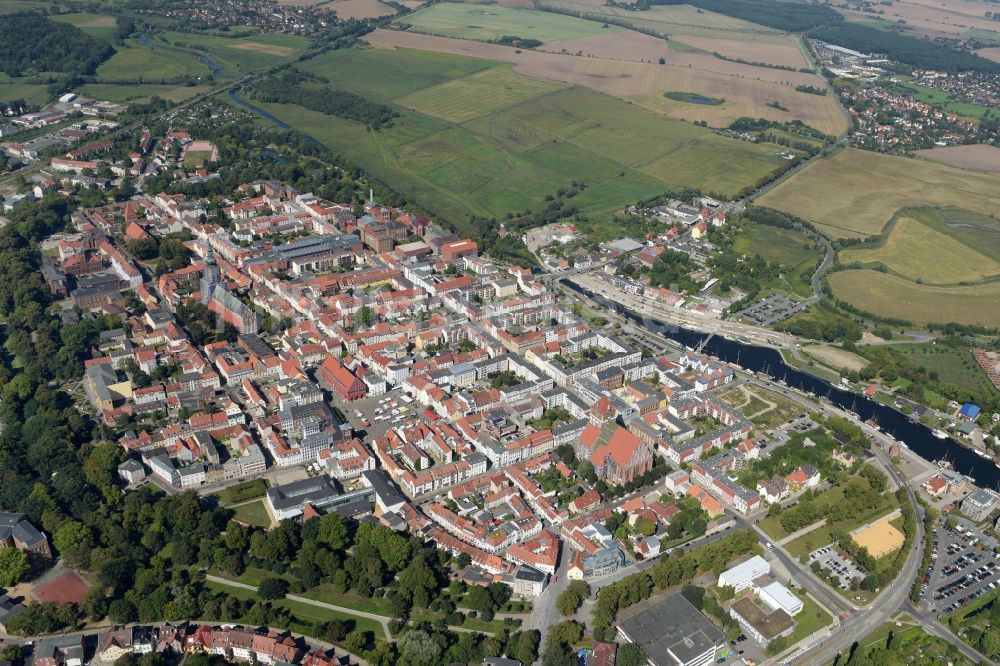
674	633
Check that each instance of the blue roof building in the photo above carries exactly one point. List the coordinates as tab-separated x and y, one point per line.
970	410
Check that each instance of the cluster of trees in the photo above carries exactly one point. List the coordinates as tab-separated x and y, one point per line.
293	86
518	42
912	51
669	571
787	16
30	43
672	270
203	325
824	323
811	90
569	600
170	250
859	498
902	363
913	647
881	572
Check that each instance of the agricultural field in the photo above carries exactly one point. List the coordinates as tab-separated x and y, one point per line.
975	157
503	141
359	9
699	29
992	53
491	22
140	92
98	25
241	54
855	193
919	252
139	62
33	93
894	297
11	6
746	89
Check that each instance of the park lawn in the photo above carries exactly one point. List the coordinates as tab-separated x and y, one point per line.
854	193
488	23
102	26
305	615
782	411
916	251
137	62
240	55
227	496
823	536
954	365
326	593
253	513
811	619
893	297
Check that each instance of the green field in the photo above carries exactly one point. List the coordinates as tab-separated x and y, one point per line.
942	100
792	249
126	93
475	138
253	513
487	23
894	297
916	251
29	92
855	193
673	20
136	61
304	614
239	55
98	25
953	365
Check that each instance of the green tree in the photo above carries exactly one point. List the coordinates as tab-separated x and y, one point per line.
272	588
14	566
418	648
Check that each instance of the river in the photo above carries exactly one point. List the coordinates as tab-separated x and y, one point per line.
215	67
764	359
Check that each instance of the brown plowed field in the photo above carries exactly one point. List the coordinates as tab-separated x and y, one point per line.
645	83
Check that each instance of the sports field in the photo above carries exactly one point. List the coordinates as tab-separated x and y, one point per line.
894	297
748	90
855	193
879	538
916	251
491	22
476	138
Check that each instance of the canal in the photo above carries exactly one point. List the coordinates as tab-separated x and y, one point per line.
766	360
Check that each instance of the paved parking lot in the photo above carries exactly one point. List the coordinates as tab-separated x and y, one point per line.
959	572
771	309
377	412
840	566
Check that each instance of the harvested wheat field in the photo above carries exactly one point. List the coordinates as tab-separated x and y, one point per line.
784	54
954	17
990	54
975	157
629	45
359	9
855	193
879	538
646	83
